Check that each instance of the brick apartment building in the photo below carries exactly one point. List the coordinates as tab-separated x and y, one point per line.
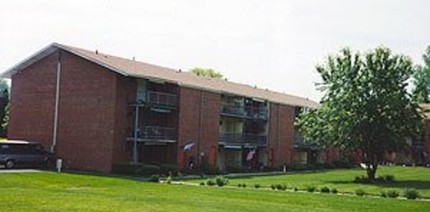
94	110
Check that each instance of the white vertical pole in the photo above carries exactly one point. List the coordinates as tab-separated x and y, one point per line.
136	128
57	96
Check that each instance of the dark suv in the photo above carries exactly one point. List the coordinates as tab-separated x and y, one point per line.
23	153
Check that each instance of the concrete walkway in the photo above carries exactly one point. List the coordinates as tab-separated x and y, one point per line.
19	171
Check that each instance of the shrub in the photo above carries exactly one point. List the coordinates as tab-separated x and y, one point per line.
236	169
273	187
325	189
296	189
202	183
210	183
392	194
168	169
281	187
384	194
299	166
221	181
360	192
155	178
135	169
270	169
411	193
334	191
209	169
148	170
257	186
311	188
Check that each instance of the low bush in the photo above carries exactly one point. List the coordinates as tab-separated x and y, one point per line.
311	188
168	169
236	169
202	183
273	187
210	183
392	194
154	178
257	186
411	193
325	189
221	181
135	169
281	187
360	192
299	166
334	191
209	169
270	169
296	189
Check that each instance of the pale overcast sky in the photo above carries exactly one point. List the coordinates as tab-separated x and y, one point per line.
269	43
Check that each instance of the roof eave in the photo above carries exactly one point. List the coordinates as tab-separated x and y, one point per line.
29	60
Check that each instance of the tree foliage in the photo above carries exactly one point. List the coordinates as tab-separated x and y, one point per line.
365	107
421	80
208	72
4	107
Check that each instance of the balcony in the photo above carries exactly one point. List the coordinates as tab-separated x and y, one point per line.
155	133
242	139
244	112
161	100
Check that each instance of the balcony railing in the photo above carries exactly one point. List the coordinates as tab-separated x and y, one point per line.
156	133
162	99
244	111
242	138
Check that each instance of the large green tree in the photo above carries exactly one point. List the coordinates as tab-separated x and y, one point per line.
421	79
365	107
208	72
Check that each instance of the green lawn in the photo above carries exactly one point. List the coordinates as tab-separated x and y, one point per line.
406	177
49	191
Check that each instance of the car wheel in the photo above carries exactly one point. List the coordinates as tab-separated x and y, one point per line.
9	164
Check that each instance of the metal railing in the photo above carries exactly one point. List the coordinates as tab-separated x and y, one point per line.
242	138
245	111
162	99
156	133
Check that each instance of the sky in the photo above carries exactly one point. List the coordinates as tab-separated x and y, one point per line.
273	44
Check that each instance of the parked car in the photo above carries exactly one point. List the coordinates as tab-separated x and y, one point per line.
23	153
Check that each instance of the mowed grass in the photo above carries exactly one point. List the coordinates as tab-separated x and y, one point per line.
48	191
405	177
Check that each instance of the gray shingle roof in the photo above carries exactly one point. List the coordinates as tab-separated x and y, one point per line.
186	79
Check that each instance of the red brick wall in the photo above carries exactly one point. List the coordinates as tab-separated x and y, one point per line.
281	134
32	102
126	89
193	128
86	110
86	114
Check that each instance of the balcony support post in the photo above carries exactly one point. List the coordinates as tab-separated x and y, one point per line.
135	136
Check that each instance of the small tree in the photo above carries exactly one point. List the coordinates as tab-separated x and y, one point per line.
421	80
208	72
365	106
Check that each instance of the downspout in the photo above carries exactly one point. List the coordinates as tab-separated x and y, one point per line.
135	136
57	97
200	126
